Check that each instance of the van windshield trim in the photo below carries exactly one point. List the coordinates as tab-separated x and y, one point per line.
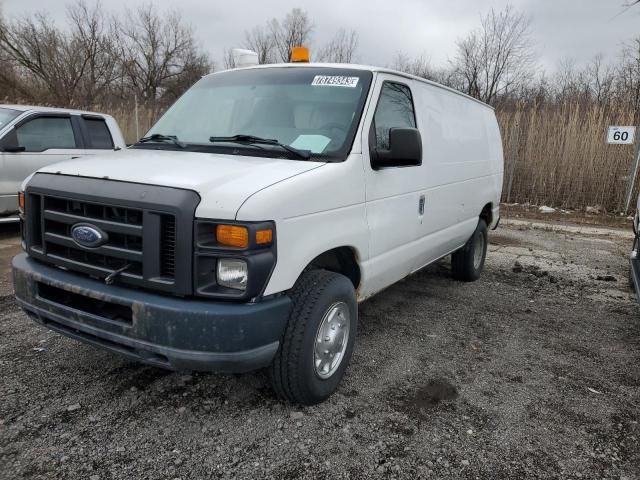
337	92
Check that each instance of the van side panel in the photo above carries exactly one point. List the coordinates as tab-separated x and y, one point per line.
462	168
497	163
393	202
316	211
327	207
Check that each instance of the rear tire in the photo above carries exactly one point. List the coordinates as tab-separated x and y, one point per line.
316	347
467	263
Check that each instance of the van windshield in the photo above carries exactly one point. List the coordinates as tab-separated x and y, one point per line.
6	115
314	110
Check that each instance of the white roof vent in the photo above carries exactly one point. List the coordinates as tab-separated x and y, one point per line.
244	58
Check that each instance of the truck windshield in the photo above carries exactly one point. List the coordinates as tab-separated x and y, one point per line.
6	115
313	110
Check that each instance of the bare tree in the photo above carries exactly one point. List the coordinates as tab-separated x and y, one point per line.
293	31
261	40
9	83
628	74
160	53
228	60
94	39
75	66
418	66
599	79
566	80
496	58
34	46
341	48
274	41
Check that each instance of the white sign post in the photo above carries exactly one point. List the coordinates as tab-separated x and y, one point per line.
621	135
626	136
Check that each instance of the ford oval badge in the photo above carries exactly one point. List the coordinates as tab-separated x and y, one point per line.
87	235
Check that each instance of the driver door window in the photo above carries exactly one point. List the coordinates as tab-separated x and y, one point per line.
394	110
46	133
46	140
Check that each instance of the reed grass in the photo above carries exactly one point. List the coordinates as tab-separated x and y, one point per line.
555	155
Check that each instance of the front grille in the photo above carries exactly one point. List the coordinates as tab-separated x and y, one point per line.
109	310
168	246
123	226
149	230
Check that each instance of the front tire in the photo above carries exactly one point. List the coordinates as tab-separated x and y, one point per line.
467	263
316	347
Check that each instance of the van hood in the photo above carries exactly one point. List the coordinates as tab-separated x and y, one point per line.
223	182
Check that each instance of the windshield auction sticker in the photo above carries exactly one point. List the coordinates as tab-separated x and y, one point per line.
335	81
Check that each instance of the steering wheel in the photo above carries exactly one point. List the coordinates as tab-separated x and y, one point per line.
333	126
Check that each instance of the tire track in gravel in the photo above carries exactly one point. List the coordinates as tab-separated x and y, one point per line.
8	306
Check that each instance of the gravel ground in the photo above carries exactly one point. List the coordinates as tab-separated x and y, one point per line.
531	372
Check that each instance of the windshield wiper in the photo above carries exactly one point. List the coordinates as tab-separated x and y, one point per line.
159	138
251	139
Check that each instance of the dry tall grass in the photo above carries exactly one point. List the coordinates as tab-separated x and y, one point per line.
558	156
125	115
554	155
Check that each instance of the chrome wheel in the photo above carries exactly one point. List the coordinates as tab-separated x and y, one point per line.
331	340
478	251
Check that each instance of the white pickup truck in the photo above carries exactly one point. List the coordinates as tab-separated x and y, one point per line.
32	137
244	229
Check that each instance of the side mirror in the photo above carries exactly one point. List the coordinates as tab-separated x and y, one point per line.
405	149
10	144
13	148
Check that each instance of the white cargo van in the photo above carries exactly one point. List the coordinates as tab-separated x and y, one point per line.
244	229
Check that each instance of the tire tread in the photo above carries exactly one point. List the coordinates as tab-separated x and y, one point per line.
284	372
462	267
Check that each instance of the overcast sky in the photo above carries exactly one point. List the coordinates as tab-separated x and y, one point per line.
561	29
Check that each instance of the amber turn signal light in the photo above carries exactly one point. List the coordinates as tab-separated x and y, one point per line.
264	237
300	55
21	201
232	236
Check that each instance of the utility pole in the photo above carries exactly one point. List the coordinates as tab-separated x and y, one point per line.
634	174
135	97
514	158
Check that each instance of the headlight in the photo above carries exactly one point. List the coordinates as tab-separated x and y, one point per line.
21	202
233	260
232	273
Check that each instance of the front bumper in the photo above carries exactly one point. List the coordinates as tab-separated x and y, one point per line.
8	204
168	332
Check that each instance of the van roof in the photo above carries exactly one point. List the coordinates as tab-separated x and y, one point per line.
31	108
362	67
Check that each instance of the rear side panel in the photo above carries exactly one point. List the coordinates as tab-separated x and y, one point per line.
461	170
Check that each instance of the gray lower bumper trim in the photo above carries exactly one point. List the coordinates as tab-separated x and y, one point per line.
158	356
165	331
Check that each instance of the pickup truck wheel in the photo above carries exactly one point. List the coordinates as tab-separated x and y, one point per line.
467	263
317	344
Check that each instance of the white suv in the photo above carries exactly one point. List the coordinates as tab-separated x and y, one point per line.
32	137
244	229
